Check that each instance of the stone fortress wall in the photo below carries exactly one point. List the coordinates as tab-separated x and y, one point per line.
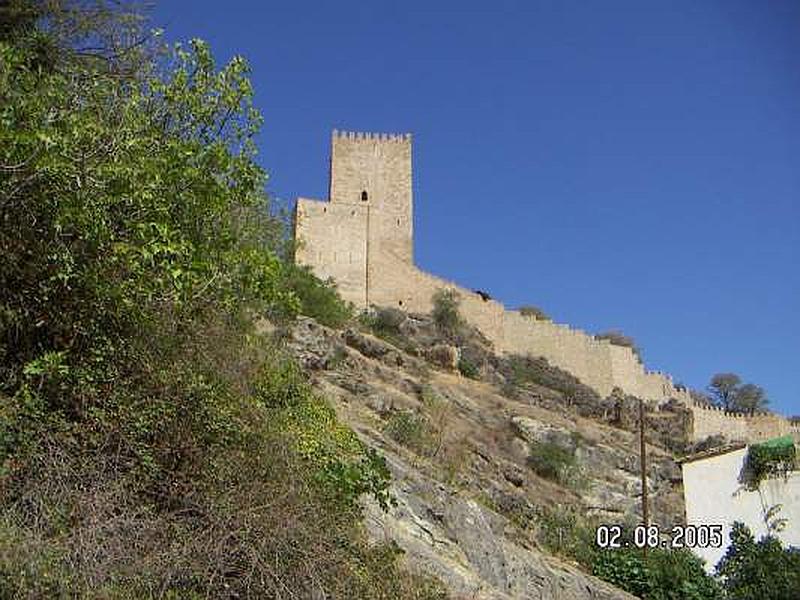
712	420
362	238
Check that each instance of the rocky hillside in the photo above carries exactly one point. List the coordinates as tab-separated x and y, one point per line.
498	481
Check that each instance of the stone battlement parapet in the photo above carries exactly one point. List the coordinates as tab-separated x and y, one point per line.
367	136
730	413
750	427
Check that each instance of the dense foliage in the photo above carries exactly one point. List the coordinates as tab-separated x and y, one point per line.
661	575
771	459
152	443
759	569
318	299
468	368
750	570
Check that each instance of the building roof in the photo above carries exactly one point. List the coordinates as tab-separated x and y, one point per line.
711	452
778	442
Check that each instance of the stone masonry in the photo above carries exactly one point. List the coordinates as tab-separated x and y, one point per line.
362	238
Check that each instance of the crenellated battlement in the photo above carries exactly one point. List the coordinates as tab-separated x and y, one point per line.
750	427
371	137
730	413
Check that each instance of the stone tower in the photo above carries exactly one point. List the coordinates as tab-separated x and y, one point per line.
361	237
364	233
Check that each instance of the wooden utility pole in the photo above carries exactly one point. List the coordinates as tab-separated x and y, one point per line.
643	465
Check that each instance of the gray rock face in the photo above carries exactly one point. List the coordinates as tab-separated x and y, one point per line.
469	509
620	493
464	544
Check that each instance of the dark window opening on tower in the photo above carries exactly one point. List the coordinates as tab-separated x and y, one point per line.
364	196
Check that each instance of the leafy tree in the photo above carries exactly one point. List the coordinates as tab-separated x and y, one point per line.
701	397
723	388
142	418
750	398
728	391
752	570
679	575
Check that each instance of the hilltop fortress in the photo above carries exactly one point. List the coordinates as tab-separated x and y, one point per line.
362	237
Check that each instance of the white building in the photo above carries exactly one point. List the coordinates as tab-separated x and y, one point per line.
713	494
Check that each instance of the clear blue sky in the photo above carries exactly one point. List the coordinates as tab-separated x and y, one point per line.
630	165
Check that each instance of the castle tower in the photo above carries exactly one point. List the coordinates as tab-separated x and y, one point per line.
374	172
364	232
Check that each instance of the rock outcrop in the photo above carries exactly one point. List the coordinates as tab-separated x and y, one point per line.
468	508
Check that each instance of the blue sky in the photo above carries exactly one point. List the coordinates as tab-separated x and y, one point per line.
627	165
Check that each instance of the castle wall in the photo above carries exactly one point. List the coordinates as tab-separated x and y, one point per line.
598	363
404	286
331	238
766	425
573	350
711	420
366	246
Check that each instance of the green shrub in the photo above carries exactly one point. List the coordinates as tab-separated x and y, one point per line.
524	370
624	568
552	461
337	359
776	458
759	569
152	444
663	575
281	383
534	312
620	339
445	312
567	532
385	322
318	299
467	368
412	430
679	575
